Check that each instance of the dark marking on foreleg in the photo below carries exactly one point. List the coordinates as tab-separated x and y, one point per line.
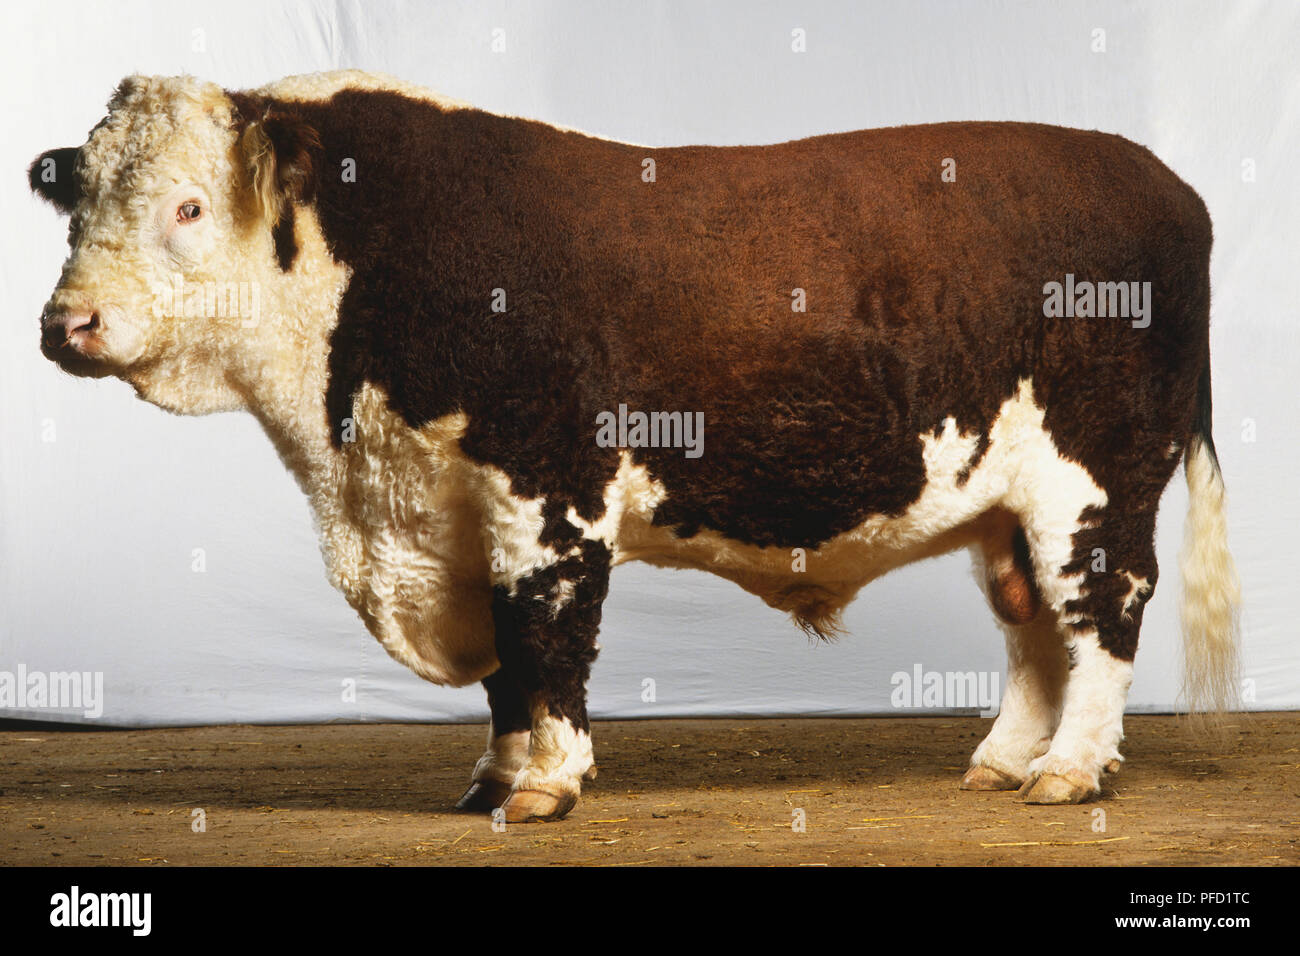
546	629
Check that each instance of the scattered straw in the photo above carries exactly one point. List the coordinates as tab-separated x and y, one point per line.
1058	842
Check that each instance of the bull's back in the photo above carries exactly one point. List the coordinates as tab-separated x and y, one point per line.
827	302
822	303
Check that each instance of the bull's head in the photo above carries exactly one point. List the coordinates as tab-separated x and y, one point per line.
173	275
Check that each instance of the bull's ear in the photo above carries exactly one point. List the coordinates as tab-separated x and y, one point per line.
50	177
281	153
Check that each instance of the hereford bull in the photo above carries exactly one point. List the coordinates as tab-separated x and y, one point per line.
501	357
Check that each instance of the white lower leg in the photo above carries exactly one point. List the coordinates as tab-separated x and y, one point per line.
1036	670
1092	718
559	756
506	755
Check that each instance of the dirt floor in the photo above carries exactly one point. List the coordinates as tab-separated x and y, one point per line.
875	792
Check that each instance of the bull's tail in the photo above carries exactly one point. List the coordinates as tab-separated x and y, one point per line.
1211	588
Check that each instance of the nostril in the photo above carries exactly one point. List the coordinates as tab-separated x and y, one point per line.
64	328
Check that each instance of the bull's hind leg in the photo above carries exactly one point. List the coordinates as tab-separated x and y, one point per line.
1031	705
1036	661
546	625
1100	594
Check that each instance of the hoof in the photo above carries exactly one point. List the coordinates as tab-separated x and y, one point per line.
1112	767
528	806
986	778
590	774
483	796
1048	788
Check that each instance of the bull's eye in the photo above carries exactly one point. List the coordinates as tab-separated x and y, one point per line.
188	212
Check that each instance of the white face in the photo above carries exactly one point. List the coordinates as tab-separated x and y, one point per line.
110	299
164	275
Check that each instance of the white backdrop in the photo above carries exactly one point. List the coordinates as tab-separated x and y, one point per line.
104	499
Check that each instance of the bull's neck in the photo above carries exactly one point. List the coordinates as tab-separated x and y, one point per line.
285	368
288	398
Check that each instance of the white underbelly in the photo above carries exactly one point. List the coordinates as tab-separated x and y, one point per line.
949	513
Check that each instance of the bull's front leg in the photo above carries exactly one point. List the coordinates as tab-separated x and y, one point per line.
507	747
546	624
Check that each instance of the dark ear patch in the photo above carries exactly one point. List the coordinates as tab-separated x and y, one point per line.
280	151
295	145
50	176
